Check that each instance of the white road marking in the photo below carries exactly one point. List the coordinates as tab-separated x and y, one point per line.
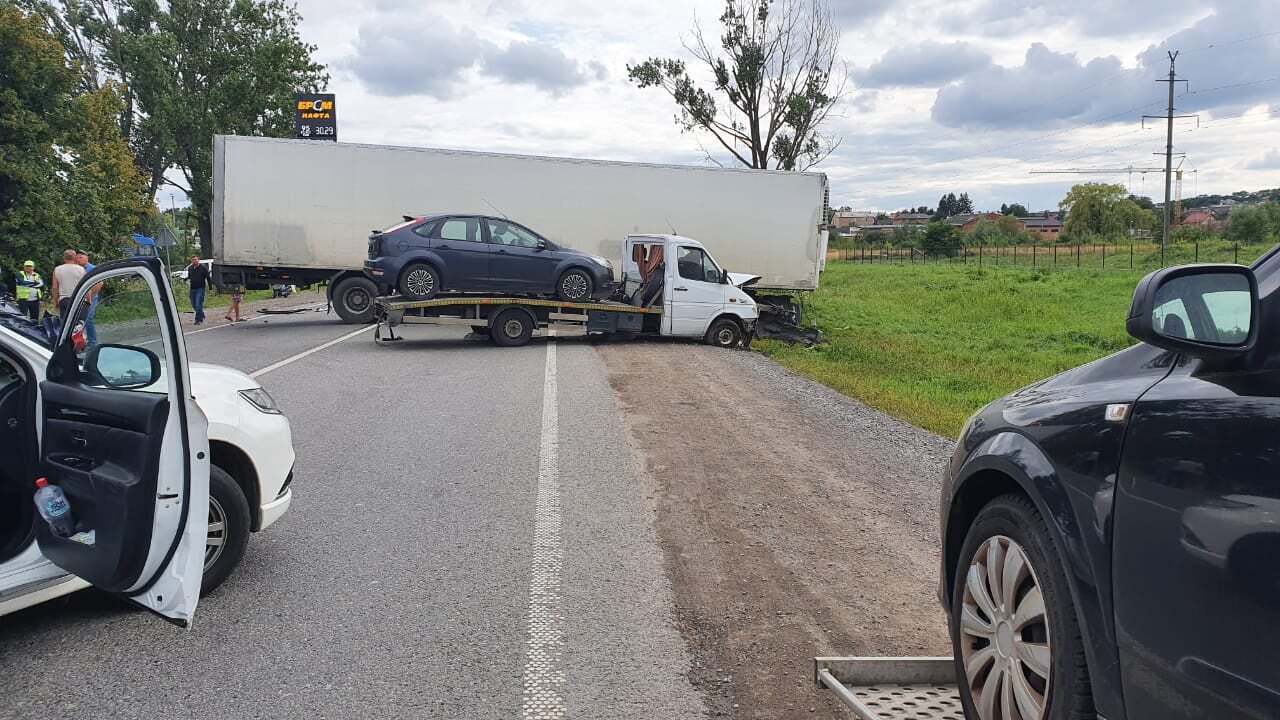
543	670
312	351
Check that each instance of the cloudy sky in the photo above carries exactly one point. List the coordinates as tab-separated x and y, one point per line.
946	95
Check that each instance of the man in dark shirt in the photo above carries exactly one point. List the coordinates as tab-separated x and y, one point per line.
198	277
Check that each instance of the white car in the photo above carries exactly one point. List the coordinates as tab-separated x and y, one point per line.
167	467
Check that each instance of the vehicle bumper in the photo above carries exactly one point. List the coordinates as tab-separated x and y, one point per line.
271	511
377	270
602	278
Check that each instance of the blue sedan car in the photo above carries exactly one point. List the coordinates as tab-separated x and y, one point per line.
427	255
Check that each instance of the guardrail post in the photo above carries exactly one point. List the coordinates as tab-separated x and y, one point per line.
1130	254
1104	255
1055	255
1077	254
1236	250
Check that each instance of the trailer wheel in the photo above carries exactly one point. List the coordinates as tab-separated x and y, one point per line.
724	333
575	286
419	281
511	328
353	300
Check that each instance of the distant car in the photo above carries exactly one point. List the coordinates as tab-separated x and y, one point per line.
182	274
473	253
1111	535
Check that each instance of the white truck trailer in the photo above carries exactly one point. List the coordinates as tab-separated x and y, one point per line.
300	211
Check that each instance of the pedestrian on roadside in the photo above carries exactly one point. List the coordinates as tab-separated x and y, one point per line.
237	294
198	277
65	279
90	329
29	286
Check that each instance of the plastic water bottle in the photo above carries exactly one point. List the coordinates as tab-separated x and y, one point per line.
54	508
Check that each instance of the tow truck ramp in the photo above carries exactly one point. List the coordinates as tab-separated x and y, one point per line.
892	688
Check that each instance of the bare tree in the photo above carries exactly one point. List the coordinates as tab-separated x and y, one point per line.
776	66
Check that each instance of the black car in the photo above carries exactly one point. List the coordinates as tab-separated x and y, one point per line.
1111	535
474	253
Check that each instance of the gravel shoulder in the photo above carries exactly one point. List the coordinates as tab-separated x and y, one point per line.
793	521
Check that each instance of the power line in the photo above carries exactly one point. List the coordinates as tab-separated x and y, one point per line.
1229	43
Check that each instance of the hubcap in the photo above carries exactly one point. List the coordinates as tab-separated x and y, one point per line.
513	328
574	285
357	300
217	539
420	282
725	336
1004	634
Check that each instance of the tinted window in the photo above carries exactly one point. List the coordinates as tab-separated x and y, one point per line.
506	233
694	264
425	229
467	229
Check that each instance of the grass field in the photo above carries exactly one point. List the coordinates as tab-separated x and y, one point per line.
933	343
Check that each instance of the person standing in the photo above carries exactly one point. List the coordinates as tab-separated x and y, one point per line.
237	294
90	330
198	277
65	279
29	285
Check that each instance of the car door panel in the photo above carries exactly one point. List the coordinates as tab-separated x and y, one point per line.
1198	526
518	263
132	459
460	244
693	301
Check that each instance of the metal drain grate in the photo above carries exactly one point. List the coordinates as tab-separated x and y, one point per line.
893	688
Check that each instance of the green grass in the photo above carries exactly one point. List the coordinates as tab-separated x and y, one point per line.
933	343
212	298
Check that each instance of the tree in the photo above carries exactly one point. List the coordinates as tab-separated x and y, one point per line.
1014	209
1102	210
773	68
66	176
1143	202
964	205
1005	230
1252	224
190	69
940	238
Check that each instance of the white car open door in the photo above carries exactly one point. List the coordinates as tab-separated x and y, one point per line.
124	440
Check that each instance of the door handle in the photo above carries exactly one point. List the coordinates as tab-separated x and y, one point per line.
682	289
500	250
443	247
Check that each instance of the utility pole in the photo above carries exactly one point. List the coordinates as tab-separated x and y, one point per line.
1168	117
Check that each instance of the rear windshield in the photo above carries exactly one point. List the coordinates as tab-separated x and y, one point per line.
399	225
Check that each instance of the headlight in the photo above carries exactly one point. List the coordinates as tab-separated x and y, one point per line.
261	400
601	261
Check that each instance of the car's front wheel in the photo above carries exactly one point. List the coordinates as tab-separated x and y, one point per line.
575	286
1018	650
229	522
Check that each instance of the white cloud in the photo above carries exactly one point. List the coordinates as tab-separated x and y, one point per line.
1270	161
928	64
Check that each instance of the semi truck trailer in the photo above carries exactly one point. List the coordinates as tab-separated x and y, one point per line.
300	212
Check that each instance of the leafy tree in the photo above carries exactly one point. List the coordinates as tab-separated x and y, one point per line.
774	66
1005	230
906	236
1014	209
1143	202
1102	210
940	238
190	69
883	219
963	205
1254	223
66	176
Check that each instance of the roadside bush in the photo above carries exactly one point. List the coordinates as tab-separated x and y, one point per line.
940	238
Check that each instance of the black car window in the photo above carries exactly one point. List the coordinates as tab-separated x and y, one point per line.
694	264
1173	319
506	233
465	229
425	229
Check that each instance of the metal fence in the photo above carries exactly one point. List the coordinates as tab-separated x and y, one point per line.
1117	256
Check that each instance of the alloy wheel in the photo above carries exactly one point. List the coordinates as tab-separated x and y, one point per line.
1004	634
574	285
420	282
217	538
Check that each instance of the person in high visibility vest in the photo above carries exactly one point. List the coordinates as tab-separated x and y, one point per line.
29	285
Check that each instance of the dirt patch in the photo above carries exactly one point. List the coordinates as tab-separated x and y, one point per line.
249	310
794	522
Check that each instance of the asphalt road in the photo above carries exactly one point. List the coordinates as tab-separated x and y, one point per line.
398	585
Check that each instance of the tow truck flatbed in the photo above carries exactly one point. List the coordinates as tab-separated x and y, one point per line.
892	688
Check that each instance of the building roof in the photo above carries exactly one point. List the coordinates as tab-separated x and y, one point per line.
1041	222
911	216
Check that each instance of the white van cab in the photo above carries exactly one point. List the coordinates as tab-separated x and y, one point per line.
167	467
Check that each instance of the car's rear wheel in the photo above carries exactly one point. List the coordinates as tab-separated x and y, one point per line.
575	286
511	328
1018	650
229	522
419	281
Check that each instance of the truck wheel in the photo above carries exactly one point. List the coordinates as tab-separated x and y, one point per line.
511	328
1013	625
575	286
419	281
353	300
724	333
229	522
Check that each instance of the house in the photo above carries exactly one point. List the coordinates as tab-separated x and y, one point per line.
1048	225
966	222
909	218
853	218
1201	218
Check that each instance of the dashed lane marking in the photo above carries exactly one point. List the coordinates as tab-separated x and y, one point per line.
304	353
544	650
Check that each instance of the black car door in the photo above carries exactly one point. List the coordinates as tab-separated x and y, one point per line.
521	261
123	439
460	243
1197	531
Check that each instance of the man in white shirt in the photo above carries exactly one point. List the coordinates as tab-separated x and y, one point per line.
65	279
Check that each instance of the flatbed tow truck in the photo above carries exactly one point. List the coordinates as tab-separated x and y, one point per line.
671	287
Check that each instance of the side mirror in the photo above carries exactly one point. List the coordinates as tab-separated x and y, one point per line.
542	245
1206	311
121	367
724	277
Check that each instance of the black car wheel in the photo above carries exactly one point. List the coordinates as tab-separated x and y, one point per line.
419	281
229	522
511	328
1018	650
575	286
353	299
724	333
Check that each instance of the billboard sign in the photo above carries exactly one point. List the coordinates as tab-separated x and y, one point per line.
315	117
